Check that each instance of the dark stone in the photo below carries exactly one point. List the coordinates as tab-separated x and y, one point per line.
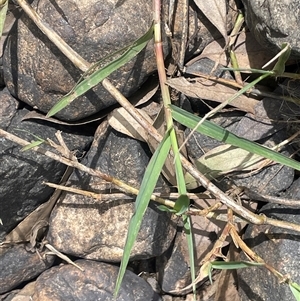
259	125
294	191
23	294
209	67
37	73
280	249
8	108
18	265
22	173
173	266
274	22
97	282
95	229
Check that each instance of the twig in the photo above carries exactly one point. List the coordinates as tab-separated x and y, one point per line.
111	195
254	256
271	199
122	186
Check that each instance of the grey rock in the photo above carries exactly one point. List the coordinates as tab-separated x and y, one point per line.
23	294
209	67
293	191
18	265
22	173
173	266
274	22
259	125
280	248
8	108
95	229
97	282
37	73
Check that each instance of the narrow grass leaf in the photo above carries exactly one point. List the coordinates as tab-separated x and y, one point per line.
229	265
280	65
96	77
249	70
3	12
182	205
150	178
32	145
165	208
187	224
295	288
215	131
232	265
183	202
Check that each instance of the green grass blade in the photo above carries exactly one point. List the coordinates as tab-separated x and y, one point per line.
3	12
249	70
280	65
232	265
151	175
32	145
96	77
295	288
229	265
182	204
187	224
217	132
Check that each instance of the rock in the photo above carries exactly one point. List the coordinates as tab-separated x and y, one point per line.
97	282
23	294
274	23
259	125
294	191
95	229
8	109
22	173
37	73
18	265
280	249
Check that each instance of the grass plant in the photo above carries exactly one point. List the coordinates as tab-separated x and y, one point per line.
168	145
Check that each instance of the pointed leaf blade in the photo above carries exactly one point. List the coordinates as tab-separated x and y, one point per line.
151	175
217	132
96	77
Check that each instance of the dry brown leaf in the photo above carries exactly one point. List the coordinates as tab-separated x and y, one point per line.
248	52
210	90
222	160
123	122
216	12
